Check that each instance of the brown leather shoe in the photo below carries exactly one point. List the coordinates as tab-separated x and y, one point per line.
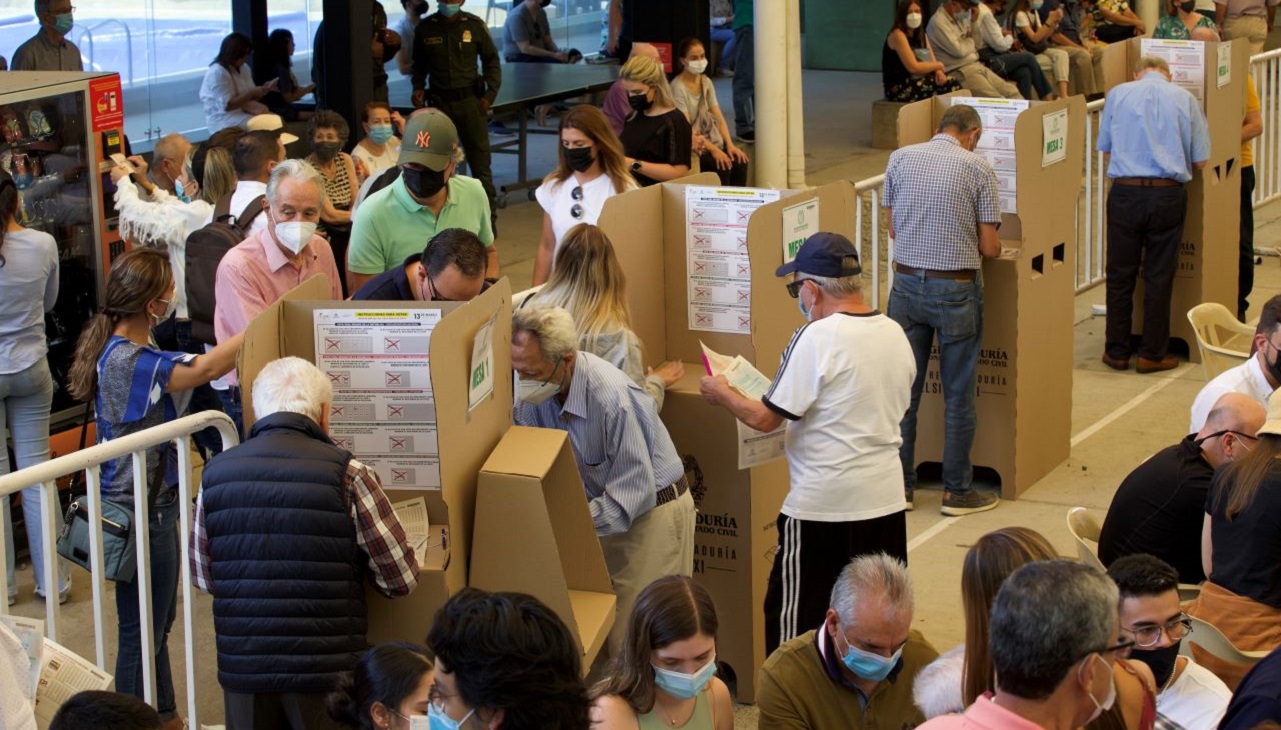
1116	363
1169	362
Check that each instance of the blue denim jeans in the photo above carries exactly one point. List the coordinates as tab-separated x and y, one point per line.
954	310
744	81
232	406
164	608
25	398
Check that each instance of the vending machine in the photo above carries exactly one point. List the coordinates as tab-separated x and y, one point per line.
59	130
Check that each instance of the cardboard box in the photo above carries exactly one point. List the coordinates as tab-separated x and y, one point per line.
1207	263
465	439
534	534
1024	376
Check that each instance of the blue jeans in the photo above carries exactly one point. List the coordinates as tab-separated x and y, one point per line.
25	398
164	608
744	81
232	406
725	36
954	310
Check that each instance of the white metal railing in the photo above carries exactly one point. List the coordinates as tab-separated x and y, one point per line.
1266	70
1091	215
135	446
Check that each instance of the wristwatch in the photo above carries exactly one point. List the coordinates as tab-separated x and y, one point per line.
636	166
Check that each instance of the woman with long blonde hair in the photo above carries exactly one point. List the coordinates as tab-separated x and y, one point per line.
588	283
657	137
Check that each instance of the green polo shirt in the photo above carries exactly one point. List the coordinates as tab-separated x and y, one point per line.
391	226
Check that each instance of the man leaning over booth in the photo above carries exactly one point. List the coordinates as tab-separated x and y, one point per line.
634	480
450	269
842	389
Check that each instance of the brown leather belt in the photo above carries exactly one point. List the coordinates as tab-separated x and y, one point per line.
671	492
1146	182
958	274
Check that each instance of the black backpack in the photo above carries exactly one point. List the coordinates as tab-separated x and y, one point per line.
205	249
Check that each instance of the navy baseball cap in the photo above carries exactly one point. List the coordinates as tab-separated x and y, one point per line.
829	255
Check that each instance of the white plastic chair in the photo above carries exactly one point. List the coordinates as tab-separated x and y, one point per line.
1209	638
1085	531
1223	341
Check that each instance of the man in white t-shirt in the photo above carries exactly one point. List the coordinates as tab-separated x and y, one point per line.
1187	693
1256	377
842	388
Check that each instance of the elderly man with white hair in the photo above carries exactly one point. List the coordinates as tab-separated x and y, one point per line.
634	480
287	526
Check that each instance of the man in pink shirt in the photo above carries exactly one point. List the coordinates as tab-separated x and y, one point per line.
274	260
1055	635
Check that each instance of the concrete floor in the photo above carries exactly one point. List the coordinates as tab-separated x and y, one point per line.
1118	418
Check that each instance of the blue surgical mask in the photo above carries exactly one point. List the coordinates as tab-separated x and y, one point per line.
684	686
1036	4
180	192
62	22
869	666
449	10
380	133
438	720
800	302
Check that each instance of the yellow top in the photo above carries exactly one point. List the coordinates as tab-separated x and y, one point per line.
1251	105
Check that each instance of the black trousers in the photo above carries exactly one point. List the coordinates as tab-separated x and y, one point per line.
810	557
735	176
277	710
1245	267
1145	227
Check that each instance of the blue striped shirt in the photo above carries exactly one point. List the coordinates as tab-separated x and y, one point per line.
1153	128
622	449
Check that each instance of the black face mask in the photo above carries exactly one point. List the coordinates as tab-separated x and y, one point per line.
545	3
579	159
422	182
639	102
1160	661
326	151
1188	6
420	9
1273	365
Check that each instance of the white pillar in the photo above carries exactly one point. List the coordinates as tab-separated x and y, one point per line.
770	31
795	100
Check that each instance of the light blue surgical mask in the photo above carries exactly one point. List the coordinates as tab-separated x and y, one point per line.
62	22
180	192
449	10
380	133
684	686
438	720
800	302
867	665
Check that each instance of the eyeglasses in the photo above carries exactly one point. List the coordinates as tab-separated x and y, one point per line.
577	209
1224	432
1122	645
1150	634
794	288
436	696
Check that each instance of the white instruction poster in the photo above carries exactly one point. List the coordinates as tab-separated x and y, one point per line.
720	275
1186	60
996	144
1054	137
800	221
384	411
481	381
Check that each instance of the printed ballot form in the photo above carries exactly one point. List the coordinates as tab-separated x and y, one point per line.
412	515
754	447
996	145
720	274
63	675
384	411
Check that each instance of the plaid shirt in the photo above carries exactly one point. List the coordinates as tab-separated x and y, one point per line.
939	192
378	534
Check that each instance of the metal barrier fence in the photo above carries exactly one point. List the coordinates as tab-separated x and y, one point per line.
134	446
1266	70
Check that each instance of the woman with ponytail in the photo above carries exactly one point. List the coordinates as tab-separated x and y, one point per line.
136	387
28	289
390	685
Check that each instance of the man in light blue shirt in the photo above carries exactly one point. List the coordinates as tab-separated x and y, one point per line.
1156	135
633	477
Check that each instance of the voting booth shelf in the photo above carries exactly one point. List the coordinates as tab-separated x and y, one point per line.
1024	377
656	241
444	442
1207	264
534	534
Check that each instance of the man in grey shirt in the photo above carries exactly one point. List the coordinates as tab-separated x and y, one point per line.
49	49
527	36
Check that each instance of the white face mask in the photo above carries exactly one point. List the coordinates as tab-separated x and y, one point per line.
914	20
535	392
697	67
295	235
171	306
1106	704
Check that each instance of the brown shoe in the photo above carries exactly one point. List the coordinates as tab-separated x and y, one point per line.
1116	363
1169	362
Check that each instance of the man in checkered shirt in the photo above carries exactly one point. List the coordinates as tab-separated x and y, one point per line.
942	205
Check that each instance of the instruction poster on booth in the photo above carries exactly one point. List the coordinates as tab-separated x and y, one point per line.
800	221
383	409
720	275
1186	60
996	145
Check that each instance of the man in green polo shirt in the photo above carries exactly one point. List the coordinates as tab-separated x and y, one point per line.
398	220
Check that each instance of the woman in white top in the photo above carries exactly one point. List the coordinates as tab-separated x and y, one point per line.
696	97
1025	22
588	283
380	147
228	93
590	168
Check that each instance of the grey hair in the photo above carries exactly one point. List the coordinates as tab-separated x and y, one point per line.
291	385
960	117
1148	63
299	171
1048	616
844	286
869	577
553	327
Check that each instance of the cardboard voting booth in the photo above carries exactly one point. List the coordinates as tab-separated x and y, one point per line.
444	441
1216	74
534	534
658	233
1024	378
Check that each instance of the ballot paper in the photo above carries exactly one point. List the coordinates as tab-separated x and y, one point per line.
996	144
412	514
1186	60
720	274
30	633
754	447
63	674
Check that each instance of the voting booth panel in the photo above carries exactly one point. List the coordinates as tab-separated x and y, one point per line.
463	437
1207	262
1024	378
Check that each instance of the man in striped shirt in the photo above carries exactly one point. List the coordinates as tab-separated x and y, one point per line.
633	477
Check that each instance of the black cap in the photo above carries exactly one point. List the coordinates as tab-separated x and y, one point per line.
829	255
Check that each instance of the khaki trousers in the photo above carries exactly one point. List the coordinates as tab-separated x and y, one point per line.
982	81
1250	28
1087	70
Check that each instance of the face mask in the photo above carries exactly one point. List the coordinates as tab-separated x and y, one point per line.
1188	6
545	3
422	182
1036	4
1106	704
326	151
63	22
697	67
420	9
171	305
684	686
1273	366
535	392
579	159
639	102
438	720
800	302
914	20
963	17
180	191
380	133
450	10
1160	661
295	235
869	666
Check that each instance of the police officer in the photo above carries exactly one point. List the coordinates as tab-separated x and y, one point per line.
447	44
